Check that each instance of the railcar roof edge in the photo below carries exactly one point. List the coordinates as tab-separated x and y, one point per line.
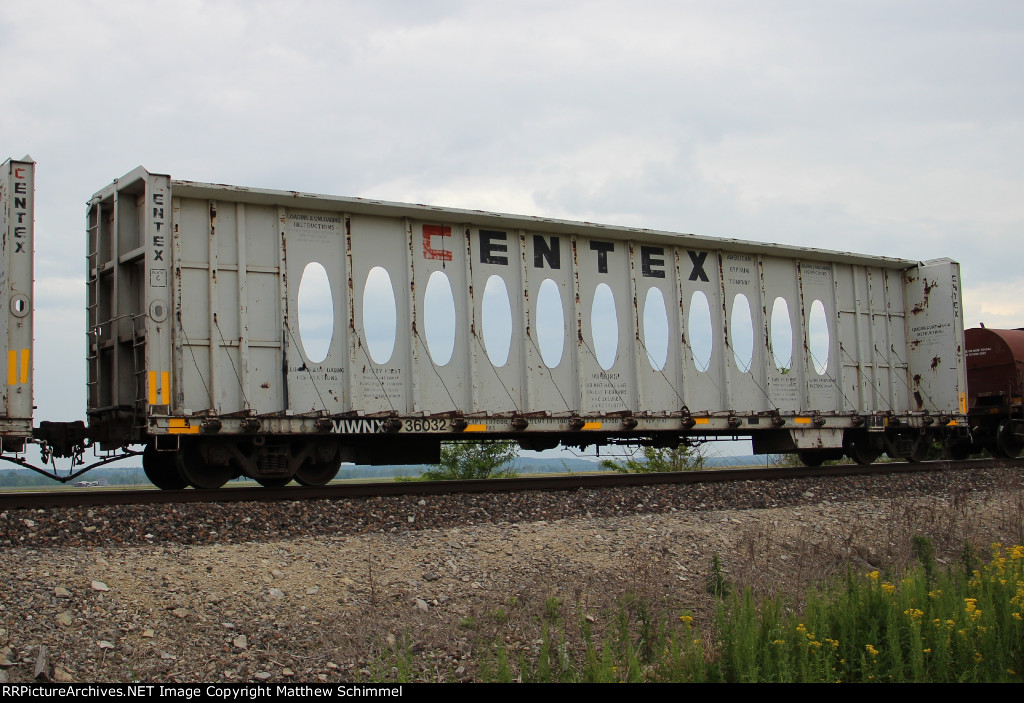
434	213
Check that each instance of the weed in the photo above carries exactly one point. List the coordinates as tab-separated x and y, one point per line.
717	586
553	609
924	551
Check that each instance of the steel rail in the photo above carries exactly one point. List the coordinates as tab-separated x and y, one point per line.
341	491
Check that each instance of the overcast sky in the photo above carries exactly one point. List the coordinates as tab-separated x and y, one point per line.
889	128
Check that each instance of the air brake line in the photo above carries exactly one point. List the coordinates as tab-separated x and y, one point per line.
359	341
439	377
612	385
305	366
550	375
661	371
224	345
873	388
496	374
192	353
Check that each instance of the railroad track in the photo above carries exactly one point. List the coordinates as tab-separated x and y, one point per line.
571	482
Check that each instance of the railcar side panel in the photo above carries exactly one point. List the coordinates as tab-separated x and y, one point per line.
441	322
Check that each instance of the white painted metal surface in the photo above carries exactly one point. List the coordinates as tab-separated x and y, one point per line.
17	226
195	314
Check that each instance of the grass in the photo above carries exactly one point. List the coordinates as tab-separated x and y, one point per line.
958	624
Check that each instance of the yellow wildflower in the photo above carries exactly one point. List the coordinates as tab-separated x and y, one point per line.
871	650
688	619
888	587
873	575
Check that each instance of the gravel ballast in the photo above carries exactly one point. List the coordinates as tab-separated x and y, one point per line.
335	590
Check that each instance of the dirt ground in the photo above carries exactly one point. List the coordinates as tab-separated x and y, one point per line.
359	607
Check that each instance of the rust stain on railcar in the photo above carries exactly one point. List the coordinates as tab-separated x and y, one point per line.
351	282
469	283
526	288
917	391
576	287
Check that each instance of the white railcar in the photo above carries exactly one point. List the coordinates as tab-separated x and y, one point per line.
445	324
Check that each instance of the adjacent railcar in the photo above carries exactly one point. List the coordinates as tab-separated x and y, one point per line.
995	382
448	324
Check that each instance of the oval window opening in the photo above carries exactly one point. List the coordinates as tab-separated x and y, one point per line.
604	326
742	329
655	329
316	312
439	318
782	335
817	337
496	317
380	316
550	323
699	330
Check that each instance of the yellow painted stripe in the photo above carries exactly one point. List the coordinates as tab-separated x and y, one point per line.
802	420
952	423
165	388
179	425
701	420
963	403
26	355
592	425
475	428
12	367
152	387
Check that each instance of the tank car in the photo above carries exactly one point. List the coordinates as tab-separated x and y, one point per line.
995	386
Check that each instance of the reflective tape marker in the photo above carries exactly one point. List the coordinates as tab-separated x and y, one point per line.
179	425
475	428
13	377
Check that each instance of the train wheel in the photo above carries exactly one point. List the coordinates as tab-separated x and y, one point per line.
161	469
862	451
811	457
318	473
1008	442
275	482
920	452
198	472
